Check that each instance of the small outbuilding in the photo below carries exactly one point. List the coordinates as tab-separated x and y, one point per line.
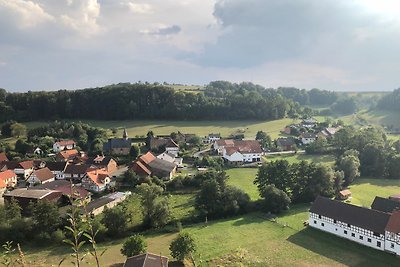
345	194
146	260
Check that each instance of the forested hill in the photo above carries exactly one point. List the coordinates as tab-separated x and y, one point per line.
390	101
219	101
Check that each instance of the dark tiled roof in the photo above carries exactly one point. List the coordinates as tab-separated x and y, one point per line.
77	169
105	160
285	142
117	143
52	185
365	218
56	166
308	135
161	165
64	187
385	205
157	142
146	260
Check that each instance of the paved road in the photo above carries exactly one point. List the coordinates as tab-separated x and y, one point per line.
198	154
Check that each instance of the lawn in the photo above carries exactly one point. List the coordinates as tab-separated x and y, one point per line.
252	240
201	128
364	190
243	178
292	158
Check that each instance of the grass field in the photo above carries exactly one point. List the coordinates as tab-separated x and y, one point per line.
201	128
243	178
252	240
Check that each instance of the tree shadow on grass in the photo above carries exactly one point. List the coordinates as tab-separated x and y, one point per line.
342	250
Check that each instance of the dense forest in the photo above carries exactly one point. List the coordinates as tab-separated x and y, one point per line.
390	101
219	100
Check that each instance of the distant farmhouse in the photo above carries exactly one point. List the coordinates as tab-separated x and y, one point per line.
212	137
164	144
149	165
378	227
239	151
118	146
286	144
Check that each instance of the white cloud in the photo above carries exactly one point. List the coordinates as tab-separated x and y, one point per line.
140	8
83	17
27	14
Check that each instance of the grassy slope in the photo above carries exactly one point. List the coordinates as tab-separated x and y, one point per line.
200	128
258	241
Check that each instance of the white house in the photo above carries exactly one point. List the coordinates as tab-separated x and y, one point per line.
172	148
212	137
63	145
171	158
58	169
243	151
96	180
41	176
308	138
369	227
24	169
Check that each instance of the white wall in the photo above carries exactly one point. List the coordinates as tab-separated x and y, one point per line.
328	225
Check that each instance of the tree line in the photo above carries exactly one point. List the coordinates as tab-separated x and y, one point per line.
147	101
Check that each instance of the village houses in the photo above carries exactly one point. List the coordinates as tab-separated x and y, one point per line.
96	180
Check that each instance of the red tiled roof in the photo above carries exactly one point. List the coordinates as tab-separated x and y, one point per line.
3	157
66	154
28	164
225	142
231	150
44	174
5	176
345	192
147	158
66	142
393	224
139	167
248	146
97	176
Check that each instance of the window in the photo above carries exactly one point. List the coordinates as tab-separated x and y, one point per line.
369	240
378	243
319	216
315	222
361	237
353	234
334	221
322	224
392	245
345	232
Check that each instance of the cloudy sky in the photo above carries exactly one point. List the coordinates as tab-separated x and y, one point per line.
330	44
